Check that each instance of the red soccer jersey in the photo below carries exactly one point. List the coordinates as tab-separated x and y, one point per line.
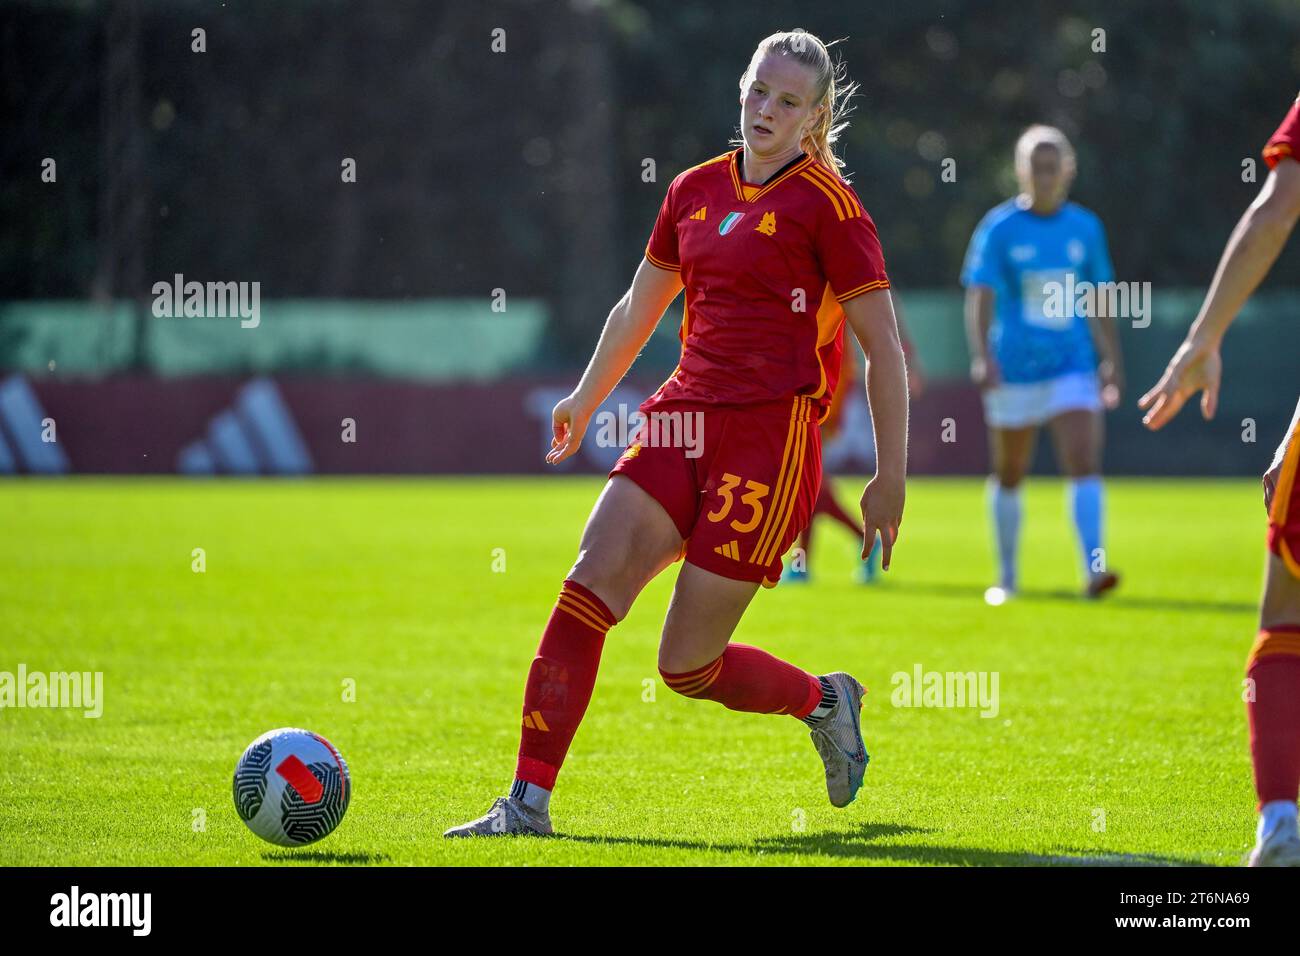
765	269
1286	141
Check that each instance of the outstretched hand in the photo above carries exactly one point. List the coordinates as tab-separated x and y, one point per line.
1192	369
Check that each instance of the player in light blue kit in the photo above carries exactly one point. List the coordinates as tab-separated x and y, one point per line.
1035	341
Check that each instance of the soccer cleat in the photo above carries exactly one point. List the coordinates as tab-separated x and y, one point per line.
1100	583
838	739
1281	847
794	575
868	569
508	817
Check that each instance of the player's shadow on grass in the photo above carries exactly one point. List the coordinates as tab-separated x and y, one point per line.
861	843
324	856
1121	602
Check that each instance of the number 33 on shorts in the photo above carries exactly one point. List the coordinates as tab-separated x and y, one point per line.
755	493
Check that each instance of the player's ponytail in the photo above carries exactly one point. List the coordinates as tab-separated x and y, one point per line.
831	89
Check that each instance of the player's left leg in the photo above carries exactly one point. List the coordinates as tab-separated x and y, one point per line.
1078	435
696	659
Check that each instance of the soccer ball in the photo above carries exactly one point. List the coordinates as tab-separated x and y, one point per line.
291	787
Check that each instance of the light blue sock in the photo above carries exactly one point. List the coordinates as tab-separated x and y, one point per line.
1085	507
1004	503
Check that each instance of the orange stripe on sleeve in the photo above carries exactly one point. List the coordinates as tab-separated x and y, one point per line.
866	287
656	261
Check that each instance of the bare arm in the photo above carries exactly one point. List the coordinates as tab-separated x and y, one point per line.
1251	251
915	376
871	316
627	328
979	316
1105	333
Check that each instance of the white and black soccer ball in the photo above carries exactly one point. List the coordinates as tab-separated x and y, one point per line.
291	787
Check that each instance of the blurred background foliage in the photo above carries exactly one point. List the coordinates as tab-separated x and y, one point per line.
522	169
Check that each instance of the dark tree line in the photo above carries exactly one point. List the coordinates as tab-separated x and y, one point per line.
523	169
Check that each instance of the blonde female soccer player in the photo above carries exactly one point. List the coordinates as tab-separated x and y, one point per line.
774	249
1033	356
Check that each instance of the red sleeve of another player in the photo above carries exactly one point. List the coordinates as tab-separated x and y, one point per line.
662	247
1286	141
849	249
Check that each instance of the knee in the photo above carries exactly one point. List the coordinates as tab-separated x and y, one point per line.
1079	460
1280	607
605	582
1280	614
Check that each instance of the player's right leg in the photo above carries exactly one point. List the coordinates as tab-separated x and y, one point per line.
1012	450
1273	706
1078	434
629	539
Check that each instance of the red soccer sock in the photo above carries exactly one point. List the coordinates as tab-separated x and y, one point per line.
749	679
1274	667
560	682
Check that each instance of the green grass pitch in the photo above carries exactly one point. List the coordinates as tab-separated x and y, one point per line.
1120	736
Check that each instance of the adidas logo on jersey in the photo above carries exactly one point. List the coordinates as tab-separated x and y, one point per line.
699	213
729	550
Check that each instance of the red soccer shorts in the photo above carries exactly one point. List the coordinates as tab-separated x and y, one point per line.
1284	515
741	489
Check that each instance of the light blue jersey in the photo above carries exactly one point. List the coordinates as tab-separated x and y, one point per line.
1032	262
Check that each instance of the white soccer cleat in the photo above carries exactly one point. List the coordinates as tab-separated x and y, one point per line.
508	817
1280	847
838	739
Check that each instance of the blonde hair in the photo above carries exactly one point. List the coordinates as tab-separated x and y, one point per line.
831	89
1040	135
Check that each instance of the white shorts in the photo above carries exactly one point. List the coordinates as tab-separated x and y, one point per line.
1024	404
